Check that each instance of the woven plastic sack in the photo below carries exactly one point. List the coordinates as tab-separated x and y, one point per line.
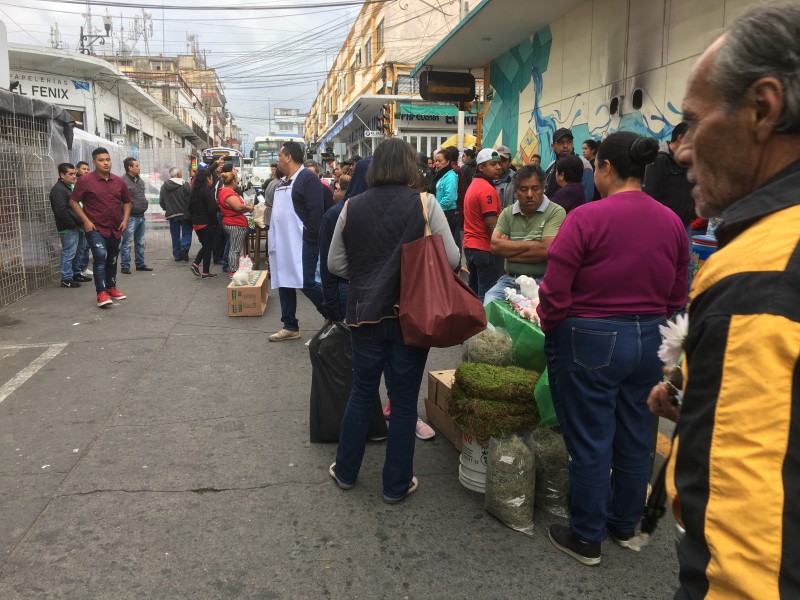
511	482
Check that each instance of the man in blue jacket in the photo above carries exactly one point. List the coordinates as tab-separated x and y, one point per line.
294	238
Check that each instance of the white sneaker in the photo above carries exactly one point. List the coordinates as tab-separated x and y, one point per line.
424	431
86	272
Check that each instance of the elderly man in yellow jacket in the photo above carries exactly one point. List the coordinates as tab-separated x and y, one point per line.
734	473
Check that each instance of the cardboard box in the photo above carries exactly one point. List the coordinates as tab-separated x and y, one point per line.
440	383
249	300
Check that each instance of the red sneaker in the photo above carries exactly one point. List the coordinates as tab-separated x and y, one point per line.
387	411
103	299
116	294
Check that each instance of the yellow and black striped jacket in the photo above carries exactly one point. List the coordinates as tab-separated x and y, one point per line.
734	476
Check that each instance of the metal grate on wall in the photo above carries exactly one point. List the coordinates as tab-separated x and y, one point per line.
29	242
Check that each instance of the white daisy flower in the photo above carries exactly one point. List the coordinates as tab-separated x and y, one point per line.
673	336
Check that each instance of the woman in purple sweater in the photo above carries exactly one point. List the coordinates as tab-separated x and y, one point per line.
616	271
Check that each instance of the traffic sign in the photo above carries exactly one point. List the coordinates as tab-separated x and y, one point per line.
372	134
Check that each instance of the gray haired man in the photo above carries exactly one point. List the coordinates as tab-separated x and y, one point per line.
174	200
734	472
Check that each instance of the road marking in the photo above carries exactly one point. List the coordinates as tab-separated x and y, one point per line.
663	445
12	384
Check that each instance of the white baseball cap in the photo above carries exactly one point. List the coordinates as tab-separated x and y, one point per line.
486	155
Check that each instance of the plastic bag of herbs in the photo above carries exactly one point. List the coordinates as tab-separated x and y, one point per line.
491	346
511	481
552	472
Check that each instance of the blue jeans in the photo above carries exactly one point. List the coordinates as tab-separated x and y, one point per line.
70	239
483	272
375	347
601	371
181	233
83	252
311	289
136	229
498	290
104	252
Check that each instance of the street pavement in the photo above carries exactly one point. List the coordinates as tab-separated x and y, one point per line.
160	449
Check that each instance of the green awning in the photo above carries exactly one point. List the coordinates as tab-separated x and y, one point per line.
441	110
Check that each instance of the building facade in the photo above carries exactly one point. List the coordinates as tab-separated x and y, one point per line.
102	100
370	77
185	82
594	66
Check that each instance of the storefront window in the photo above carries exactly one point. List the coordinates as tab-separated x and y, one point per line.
78	116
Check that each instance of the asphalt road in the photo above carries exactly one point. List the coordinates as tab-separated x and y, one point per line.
159	449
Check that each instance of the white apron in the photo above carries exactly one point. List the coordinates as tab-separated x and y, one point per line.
285	241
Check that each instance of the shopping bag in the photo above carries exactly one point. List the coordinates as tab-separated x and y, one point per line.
437	309
544	402
331	380
259	214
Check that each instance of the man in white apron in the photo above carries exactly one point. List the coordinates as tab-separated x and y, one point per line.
294	238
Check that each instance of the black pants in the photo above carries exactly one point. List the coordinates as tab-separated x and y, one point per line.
219	241
206	235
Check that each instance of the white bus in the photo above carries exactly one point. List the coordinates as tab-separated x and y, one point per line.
265	153
231	155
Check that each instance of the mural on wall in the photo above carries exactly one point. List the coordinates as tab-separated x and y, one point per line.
510	75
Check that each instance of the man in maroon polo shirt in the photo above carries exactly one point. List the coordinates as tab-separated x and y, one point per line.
105	212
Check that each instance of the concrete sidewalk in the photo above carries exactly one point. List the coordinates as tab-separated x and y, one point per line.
159	449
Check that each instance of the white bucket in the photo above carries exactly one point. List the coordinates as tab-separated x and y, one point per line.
472	467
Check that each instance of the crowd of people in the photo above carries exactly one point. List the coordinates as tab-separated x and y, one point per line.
607	235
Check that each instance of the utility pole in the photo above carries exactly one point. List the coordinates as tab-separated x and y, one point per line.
460	135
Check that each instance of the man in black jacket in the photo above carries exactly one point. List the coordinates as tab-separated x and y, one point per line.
174	199
666	181
68	226
136	224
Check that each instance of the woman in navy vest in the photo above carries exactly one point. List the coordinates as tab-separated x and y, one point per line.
366	248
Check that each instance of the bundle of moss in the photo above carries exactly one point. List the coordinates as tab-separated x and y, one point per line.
490	346
490	401
502	384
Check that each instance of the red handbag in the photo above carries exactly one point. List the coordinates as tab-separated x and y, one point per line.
437	309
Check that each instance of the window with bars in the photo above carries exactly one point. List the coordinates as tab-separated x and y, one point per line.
368	52
379	36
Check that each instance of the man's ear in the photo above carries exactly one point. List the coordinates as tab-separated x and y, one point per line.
768	102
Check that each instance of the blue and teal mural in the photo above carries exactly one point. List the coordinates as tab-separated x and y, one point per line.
513	71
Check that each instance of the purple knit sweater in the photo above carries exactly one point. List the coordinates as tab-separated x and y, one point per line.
623	255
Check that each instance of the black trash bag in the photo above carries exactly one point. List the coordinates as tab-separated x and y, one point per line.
331	380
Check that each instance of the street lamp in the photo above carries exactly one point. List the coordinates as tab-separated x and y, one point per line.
92	38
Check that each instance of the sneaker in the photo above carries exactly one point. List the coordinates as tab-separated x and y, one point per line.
283	335
70	283
209	275
103	299
387	411
625	539
412	487
116	294
424	431
195	269
343	486
377	438
185	254
143	268
86	272
81	278
126	270
586	553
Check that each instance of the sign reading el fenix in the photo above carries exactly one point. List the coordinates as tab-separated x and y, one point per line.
53	88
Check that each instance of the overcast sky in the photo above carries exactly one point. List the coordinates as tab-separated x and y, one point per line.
264	58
